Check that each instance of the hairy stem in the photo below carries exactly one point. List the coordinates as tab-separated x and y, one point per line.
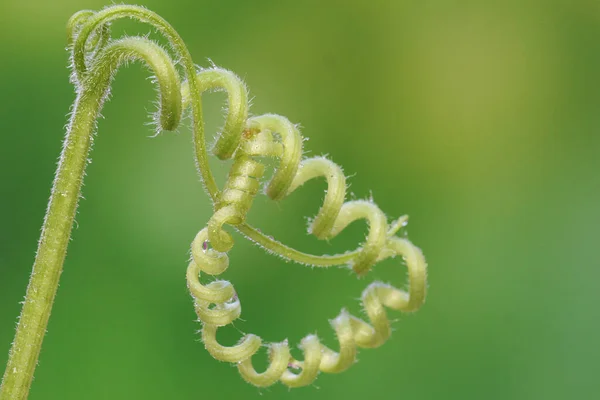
92	92
51	251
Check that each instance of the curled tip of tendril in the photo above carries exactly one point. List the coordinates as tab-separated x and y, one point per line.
96	57
217	304
85	23
156	58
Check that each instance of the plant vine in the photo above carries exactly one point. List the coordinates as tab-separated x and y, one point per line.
95	59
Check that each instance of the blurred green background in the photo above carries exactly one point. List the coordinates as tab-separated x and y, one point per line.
479	119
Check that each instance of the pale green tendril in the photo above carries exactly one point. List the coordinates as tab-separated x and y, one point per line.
95	58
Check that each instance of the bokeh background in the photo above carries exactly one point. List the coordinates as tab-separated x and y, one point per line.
479	119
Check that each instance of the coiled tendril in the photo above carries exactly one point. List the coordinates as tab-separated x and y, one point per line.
217	303
95	58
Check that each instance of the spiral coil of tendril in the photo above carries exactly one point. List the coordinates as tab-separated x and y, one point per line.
217	303
248	140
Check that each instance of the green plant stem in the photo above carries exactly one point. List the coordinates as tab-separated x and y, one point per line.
279	249
52	249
